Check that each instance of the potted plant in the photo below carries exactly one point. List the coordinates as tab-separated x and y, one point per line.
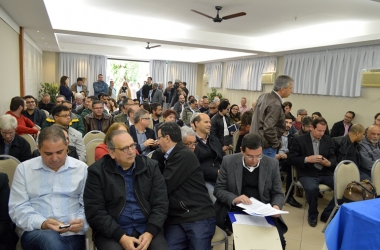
49	88
213	94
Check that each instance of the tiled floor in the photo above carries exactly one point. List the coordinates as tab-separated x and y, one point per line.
300	235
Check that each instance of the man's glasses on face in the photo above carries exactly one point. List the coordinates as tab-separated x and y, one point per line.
251	157
191	145
127	148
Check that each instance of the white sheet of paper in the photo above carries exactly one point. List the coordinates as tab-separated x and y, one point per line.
251	220
257	207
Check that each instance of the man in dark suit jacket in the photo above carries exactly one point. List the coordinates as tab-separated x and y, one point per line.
141	134
249	174
315	161
342	127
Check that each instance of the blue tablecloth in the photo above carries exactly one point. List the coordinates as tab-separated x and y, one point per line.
355	226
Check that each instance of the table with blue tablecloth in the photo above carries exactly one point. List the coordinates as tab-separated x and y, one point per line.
355	226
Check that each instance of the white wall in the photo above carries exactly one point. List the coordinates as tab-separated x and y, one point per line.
32	68
9	65
332	108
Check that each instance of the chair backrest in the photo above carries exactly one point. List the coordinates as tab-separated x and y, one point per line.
344	173
31	141
235	139
8	166
38	127
375	176
94	134
90	150
46	112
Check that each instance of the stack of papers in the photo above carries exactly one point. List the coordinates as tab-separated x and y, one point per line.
257	208
251	220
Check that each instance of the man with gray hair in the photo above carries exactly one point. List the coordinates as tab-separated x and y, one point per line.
268	119
11	143
78	104
301	113
189	137
155	95
46	200
142	134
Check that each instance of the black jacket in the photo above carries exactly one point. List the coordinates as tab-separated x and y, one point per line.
217	127
344	149
39	116
105	196
149	133
20	148
189	200
302	146
48	107
210	163
338	129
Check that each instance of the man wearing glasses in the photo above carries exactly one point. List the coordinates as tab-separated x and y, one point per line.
32	112
245	175
97	120
125	198
141	133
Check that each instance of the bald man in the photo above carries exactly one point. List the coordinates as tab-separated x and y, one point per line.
369	149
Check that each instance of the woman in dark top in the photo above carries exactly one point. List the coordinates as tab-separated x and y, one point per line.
244	128
64	88
234	115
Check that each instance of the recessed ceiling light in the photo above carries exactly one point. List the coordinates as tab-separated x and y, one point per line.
38	31
45	43
43	38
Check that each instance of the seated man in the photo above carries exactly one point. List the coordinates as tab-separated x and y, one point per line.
213	109
208	151
301	113
97	120
180	106
11	143
46	200
123	115
305	128
46	103
282	157
245	175
156	115
347	147
61	116
369	149
191	218
24	125
125	218
141	134
32	112
341	128
205	104
315	161
131	115
189	111
189	138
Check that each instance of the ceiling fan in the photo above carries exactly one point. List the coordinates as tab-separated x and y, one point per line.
218	19
147	47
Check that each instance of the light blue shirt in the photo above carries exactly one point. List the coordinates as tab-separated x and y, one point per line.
168	152
39	193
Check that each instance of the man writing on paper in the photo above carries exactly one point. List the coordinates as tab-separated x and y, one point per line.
248	174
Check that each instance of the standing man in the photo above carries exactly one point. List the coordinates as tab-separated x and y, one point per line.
243	105
24	125
180	106
97	120
34	114
191	218
145	90
315	161
112	90
100	86
155	95
132	216
47	193
219	126
342	127
245	175
167	94
269	119
79	86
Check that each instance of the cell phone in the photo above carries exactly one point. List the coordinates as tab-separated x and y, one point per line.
64	226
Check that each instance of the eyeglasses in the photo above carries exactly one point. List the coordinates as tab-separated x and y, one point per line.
189	145
146	118
257	157
235	109
98	108
127	148
64	116
303	114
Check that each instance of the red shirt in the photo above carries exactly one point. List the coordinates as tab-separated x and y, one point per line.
24	125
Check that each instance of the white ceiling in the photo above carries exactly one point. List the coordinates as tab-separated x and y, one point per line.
121	28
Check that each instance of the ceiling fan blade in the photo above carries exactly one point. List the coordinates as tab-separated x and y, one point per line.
234	15
155	46
200	13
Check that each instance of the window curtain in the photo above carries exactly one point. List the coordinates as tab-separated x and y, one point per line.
186	72
78	65
334	72
215	74
246	74
157	70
